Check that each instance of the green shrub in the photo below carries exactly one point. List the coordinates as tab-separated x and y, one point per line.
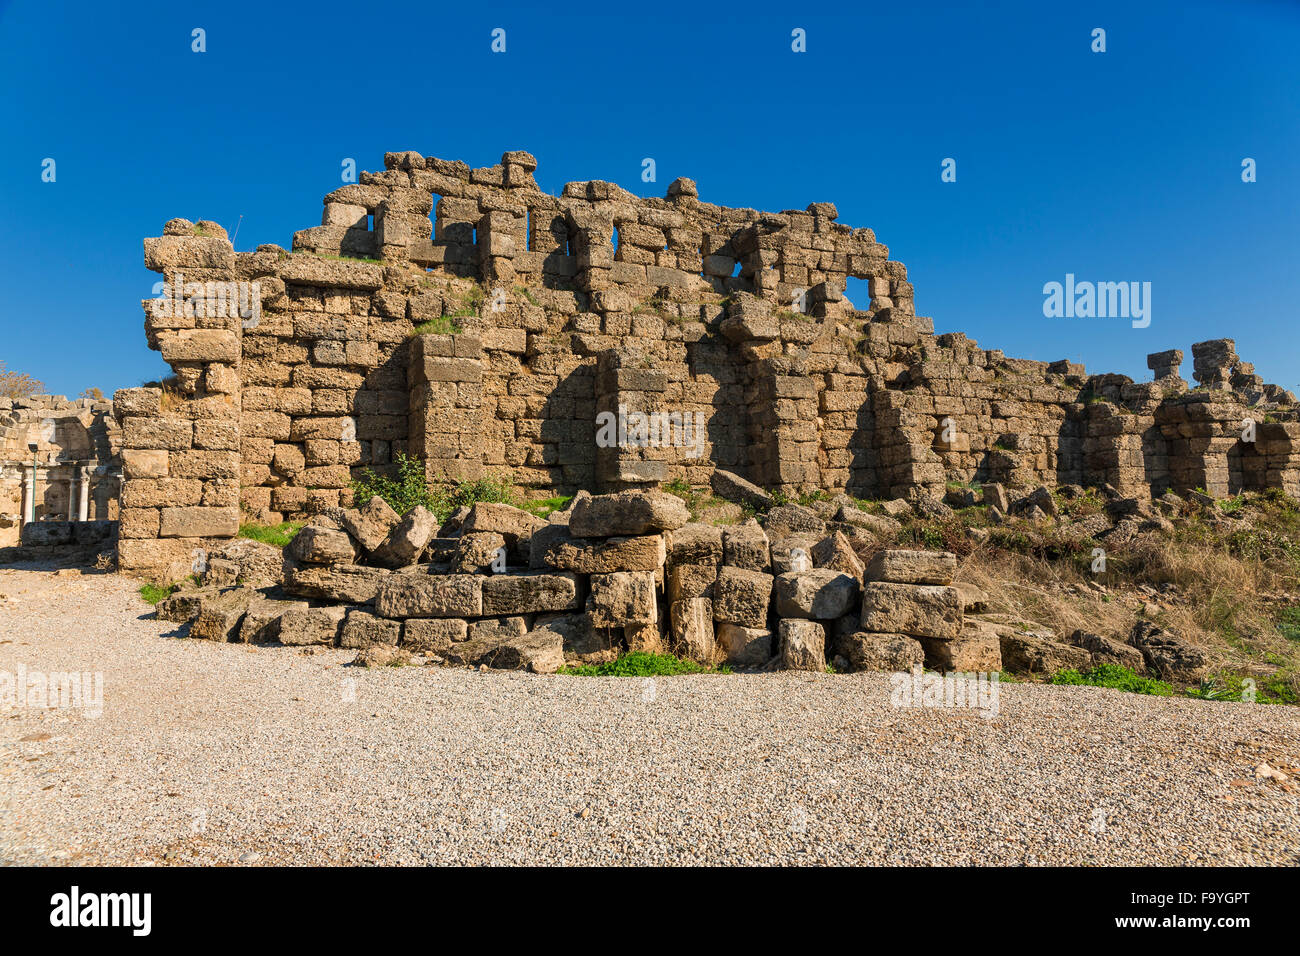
639	664
404	490
409	487
1116	677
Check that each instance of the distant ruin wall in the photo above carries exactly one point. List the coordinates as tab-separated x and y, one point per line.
541	316
77	469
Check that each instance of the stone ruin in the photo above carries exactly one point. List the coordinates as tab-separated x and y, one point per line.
60	471
467	318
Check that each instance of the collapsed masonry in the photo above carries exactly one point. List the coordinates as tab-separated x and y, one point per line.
496	586
59	470
296	369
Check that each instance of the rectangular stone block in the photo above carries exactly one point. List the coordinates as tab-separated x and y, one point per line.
532	593
916	610
199	522
422	595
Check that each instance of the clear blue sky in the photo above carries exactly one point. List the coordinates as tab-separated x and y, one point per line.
1117	166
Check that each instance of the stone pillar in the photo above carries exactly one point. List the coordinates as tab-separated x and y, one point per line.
29	506
83	505
72	493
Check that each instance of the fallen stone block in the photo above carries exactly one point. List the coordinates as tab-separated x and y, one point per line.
746	546
880	525
835	553
916	610
220	615
183	606
691	627
1168	655
380	654
514	524
731	487
407	540
793	553
254	563
742	597
822	593
803	645
318	545
694	543
426	595
785	520
540	651
479	552
1030	653
302	625
348	583
627	513
433	635
880	652
744	646
261	624
529	593
1107	651
605	556
686	581
497	627
912	567
977	649
622	597
370	524
361	629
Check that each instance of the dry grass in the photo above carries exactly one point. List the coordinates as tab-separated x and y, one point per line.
1227	579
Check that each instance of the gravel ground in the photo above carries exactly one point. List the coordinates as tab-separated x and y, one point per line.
224	754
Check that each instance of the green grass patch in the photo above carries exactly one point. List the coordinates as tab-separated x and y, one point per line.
276	534
442	325
153	593
1115	677
543	507
641	664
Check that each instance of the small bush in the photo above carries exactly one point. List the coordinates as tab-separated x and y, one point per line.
409	487
153	593
402	491
639	664
1115	677
276	534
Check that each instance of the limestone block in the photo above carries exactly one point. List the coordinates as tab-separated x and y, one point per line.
900	566
916	610
820	593
421	595
803	645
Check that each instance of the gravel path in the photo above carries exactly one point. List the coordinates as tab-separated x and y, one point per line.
225	754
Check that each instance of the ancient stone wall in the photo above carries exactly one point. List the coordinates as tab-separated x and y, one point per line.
466	317
76	461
